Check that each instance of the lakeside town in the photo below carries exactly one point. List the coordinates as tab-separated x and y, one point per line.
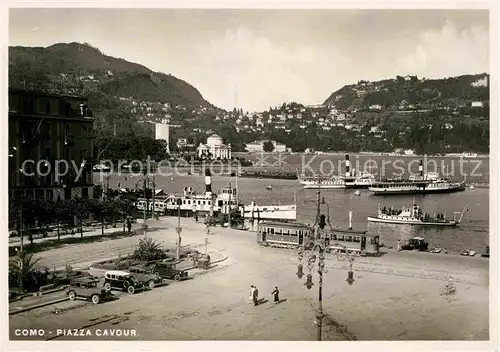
140	211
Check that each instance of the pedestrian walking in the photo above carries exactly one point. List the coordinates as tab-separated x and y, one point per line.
254	294
129	226
398	246
252	289
276	294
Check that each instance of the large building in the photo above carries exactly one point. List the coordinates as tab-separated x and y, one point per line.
258	147
46	133
162	131
214	148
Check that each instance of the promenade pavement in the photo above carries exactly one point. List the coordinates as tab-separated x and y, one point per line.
394	297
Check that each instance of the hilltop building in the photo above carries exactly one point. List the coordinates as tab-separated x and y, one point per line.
45	128
214	148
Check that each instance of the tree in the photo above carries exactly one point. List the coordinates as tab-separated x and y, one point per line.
101	208
21	268
81	209
148	249
268	146
125	208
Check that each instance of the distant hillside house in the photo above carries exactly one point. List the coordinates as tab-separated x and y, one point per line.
477	104
214	148
482	82
375	107
258	147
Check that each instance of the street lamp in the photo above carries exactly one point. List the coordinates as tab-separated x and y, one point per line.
313	251
178	229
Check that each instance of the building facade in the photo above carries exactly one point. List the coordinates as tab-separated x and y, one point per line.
162	131
214	148
50	146
258	147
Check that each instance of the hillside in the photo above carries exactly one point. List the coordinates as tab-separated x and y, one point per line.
411	93
86	67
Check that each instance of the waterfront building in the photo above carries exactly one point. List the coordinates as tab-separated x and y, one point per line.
47	131
258	147
214	148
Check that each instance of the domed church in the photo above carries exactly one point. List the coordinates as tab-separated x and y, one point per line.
214	148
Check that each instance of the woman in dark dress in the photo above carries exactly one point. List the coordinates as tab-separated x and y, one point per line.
276	294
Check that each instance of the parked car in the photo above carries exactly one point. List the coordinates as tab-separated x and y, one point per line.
121	280
145	275
87	288
169	271
417	243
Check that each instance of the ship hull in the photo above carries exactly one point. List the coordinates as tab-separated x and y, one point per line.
324	186
357	186
411	222
387	191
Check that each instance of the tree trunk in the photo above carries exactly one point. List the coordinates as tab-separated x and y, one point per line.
81	228
102	225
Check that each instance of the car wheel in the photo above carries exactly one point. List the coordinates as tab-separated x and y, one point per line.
72	295
126	284
177	277
151	284
131	289
107	286
95	299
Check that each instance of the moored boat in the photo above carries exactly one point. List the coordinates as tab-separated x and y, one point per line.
414	216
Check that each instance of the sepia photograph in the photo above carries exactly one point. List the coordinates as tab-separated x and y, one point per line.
217	174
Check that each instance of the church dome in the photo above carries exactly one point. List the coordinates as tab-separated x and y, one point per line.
214	140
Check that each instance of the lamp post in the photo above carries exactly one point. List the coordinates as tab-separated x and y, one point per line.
178	229
313	250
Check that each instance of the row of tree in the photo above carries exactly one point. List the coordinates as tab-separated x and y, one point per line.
32	216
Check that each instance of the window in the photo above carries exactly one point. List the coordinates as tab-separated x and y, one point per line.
348	238
356	238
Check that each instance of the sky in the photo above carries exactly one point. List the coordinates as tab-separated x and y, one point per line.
254	59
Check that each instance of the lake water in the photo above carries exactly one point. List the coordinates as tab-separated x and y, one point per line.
472	234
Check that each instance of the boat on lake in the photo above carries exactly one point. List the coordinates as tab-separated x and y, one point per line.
335	182
351	180
430	182
415	216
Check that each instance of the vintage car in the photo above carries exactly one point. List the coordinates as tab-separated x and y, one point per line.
168	271
121	280
145	275
87	288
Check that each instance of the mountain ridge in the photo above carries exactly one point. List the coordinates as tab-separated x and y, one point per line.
86	66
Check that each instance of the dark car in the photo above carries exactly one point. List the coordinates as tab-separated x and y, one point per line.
168	271
121	280
87	288
145	275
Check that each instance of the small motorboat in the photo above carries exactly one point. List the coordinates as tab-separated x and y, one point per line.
436	250
357	193
468	253
269	187
471	187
